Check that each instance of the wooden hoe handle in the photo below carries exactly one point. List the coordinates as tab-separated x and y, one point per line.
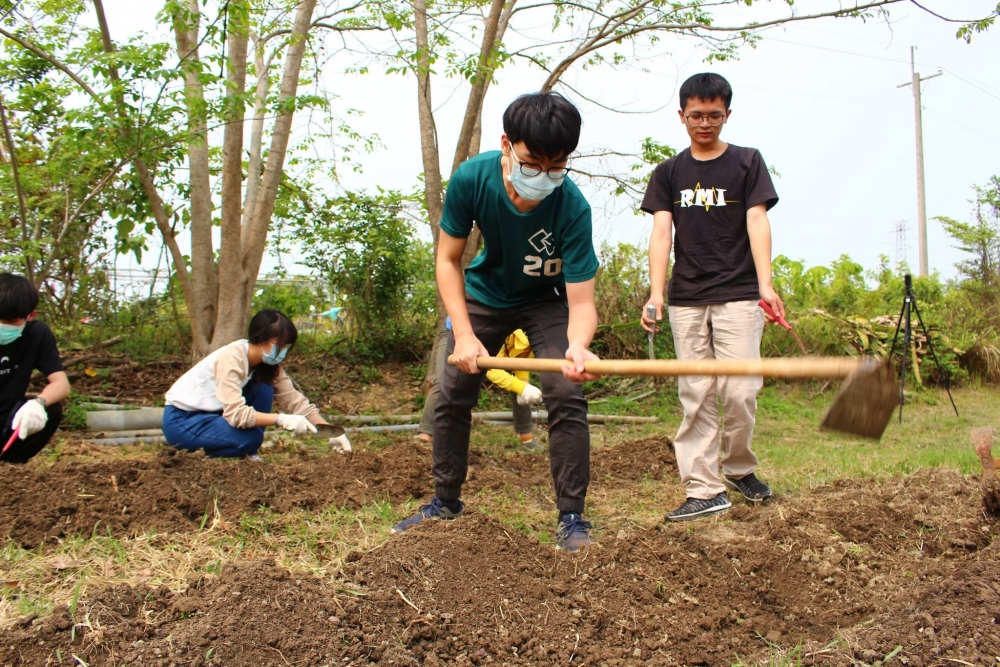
795	368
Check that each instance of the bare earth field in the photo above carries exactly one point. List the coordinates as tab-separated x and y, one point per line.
857	571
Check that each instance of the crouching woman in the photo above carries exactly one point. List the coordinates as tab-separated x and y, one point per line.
224	402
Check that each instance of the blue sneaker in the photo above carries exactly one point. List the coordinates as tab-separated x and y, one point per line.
434	510
573	533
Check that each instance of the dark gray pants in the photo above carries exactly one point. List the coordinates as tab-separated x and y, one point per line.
544	321
523	423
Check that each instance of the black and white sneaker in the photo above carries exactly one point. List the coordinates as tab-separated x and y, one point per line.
697	508
751	488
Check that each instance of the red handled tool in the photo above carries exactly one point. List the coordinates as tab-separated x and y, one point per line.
770	311
783	322
10	442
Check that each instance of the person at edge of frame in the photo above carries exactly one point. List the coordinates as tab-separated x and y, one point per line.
535	273
525	393
224	402
711	200
27	345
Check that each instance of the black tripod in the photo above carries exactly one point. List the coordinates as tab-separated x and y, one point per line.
910	305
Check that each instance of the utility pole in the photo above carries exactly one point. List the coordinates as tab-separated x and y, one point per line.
915	81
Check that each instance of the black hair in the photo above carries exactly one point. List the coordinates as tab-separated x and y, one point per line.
547	123
266	325
706	86
18	297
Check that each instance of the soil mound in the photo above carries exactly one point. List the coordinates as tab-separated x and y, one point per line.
174	491
909	554
956	620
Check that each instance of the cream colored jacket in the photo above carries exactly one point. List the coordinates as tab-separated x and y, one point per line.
215	384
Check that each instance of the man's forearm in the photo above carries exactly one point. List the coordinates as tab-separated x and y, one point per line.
451	286
659	254
659	262
582	325
57	389
759	230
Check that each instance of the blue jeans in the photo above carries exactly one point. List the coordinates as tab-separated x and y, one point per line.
194	430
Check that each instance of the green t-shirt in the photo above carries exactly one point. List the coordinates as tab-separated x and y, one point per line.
524	255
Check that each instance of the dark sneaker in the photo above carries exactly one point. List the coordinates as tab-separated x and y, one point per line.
433	510
750	488
573	533
697	508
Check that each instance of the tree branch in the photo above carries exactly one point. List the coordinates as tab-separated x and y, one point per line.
29	263
609	32
30	46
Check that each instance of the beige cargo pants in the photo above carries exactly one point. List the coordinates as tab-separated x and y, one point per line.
722	331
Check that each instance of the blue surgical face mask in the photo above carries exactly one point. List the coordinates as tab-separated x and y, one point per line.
532	188
10	332
274	356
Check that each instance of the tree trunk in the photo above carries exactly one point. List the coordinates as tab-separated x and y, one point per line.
262	67
429	149
204	279
22	209
470	137
198	341
235	298
485	68
231	273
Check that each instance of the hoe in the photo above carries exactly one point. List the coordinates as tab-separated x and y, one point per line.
863	406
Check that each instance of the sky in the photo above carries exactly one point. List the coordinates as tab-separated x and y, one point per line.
819	99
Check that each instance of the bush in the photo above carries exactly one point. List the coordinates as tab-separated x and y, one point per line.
621	290
365	248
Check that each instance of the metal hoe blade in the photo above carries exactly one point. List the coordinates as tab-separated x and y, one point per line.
865	402
326	431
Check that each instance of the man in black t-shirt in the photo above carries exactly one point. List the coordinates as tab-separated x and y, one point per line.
26	345
713	198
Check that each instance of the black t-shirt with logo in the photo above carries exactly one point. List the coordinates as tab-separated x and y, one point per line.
34	350
709	200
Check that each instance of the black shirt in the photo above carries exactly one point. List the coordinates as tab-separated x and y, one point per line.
34	349
709	200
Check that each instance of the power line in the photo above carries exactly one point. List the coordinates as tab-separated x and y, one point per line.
950	70
983	90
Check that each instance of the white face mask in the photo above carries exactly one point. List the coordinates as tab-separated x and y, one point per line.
532	188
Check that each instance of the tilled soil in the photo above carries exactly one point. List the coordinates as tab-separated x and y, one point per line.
904	562
954	620
174	491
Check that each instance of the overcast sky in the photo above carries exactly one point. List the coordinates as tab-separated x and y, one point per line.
819	99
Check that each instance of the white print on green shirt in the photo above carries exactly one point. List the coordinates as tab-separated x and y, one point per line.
535	266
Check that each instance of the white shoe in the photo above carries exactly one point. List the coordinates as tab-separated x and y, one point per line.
255	458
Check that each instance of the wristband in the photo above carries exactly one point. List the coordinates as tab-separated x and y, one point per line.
277	421
42	400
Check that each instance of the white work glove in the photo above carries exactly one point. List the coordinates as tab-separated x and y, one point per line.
298	424
530	394
30	419
340	444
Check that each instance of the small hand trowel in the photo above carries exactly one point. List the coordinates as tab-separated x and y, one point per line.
327	431
651	314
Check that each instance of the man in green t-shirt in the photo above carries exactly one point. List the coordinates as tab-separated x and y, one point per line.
536	273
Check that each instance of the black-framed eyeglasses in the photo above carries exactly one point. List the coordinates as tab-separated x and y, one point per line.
527	169
714	119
